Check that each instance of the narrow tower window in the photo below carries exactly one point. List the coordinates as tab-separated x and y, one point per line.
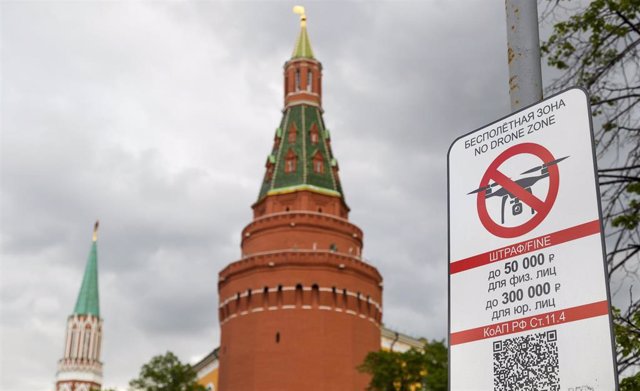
98	340
297	80
290	162
298	295
334	295
74	342
265	297
318	163
279	296
292	133
315	295
309	80
345	298
86	341
314	134
269	174
286	84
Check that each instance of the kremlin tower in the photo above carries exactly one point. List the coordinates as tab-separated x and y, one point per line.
80	368
301	308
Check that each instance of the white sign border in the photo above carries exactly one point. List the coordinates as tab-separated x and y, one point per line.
602	240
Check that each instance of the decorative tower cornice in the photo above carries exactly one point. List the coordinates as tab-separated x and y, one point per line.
80	368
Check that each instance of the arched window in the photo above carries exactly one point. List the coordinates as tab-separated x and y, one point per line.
299	295
98	340
290	162
297	80
345	299
314	134
286	83
334	295
279	296
292	133
315	295
74	342
309	80
86	342
269	175
265	297
318	163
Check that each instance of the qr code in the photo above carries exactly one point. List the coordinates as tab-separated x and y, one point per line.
527	363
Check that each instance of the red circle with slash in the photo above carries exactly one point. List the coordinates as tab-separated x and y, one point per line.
542	207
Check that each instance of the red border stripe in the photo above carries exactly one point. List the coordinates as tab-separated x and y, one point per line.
552	239
531	322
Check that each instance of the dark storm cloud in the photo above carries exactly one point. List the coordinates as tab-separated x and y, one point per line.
157	118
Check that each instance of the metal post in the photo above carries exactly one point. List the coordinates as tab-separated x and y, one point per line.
523	53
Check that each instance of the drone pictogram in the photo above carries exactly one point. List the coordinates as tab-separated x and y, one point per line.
525	183
496	185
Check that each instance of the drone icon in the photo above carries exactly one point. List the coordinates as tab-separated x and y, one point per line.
526	183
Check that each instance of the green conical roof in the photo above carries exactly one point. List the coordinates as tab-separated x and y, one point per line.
88	301
303	44
302	137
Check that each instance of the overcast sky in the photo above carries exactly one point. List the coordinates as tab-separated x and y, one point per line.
157	117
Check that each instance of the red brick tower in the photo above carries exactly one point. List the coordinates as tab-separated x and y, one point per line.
301	309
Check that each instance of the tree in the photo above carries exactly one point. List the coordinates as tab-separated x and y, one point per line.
166	373
627	330
437	366
596	46
422	369
631	383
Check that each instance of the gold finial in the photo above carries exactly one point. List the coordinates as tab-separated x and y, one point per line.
95	230
298	9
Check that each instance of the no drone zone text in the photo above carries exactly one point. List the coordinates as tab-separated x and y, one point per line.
515	129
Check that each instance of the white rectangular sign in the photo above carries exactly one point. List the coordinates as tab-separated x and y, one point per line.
528	295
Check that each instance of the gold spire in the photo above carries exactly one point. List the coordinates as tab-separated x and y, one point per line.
303	45
298	9
95	230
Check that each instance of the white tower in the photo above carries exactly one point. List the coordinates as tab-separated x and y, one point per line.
80	368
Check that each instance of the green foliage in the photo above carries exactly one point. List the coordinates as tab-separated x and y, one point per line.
631	383
414	370
627	331
437	366
166	373
631	217
596	46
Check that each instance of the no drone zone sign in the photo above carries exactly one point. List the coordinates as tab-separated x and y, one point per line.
528	297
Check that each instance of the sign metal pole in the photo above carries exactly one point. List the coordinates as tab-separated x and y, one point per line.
523	53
